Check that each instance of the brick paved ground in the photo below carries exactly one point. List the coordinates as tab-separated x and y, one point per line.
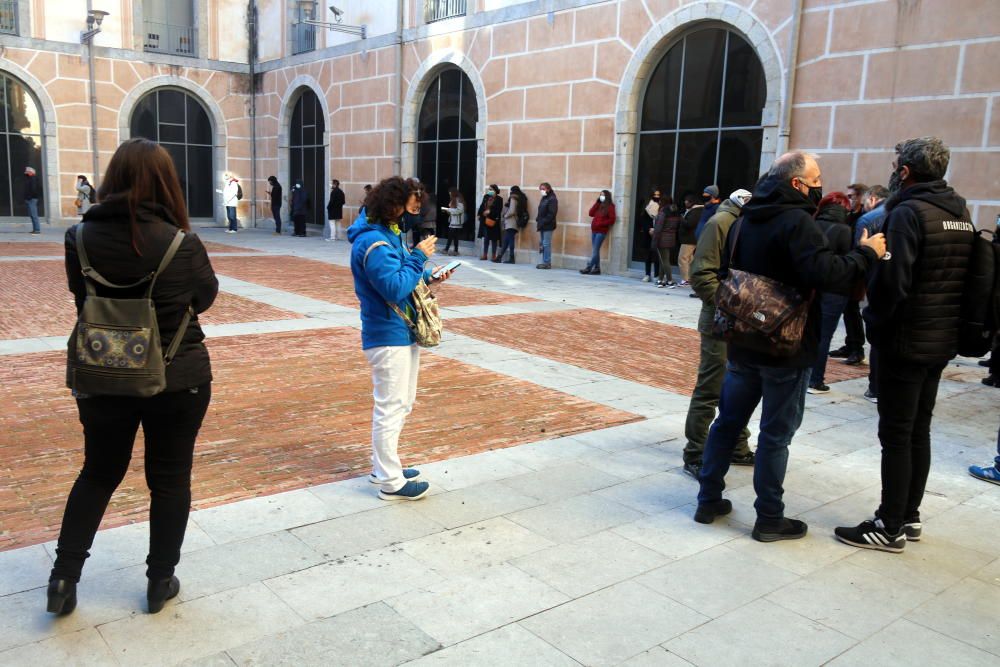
333	283
37	303
650	353
33	249
30	249
278	423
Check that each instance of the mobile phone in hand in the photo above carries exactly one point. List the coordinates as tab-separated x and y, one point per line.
447	268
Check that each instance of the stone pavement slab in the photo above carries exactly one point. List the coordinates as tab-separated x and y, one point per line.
509	645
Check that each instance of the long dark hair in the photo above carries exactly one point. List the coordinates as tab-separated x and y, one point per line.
141	172
604	205
390	195
456	196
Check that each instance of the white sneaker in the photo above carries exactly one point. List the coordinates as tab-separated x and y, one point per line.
645	279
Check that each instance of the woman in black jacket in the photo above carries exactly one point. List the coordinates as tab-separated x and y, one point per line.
490	209
127	234
545	221
832	218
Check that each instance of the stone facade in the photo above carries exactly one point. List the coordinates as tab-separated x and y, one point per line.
559	86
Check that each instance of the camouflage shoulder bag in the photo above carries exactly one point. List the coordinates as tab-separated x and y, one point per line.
759	313
115	349
426	323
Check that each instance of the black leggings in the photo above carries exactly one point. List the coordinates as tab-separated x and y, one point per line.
453	234
170	422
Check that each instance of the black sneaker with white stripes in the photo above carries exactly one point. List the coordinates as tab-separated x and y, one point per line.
872	535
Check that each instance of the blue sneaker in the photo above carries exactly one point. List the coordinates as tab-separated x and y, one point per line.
408	474
985	473
410	491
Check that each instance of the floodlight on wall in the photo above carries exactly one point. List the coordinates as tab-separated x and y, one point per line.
338	17
95	17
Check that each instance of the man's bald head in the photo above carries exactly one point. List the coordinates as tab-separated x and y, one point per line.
800	170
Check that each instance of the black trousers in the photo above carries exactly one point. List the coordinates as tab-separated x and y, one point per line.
873	370
170	422
855	342
907	393
276	213
652	263
453	235
299	221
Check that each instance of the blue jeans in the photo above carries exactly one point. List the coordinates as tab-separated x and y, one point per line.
596	241
832	307
33	213
547	246
231	214
509	236
784	393
996	461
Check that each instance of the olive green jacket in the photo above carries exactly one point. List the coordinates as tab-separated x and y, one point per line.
708	259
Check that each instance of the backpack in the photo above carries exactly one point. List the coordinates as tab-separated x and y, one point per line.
239	191
115	349
92	196
522	213
980	313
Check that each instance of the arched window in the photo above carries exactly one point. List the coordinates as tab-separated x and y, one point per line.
178	122
446	142
701	119
307	154
20	146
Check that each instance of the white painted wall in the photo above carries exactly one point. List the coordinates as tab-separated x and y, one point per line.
378	15
66	19
270	29
232	18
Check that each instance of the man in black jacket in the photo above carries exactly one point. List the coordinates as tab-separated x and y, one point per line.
914	303
31	196
778	238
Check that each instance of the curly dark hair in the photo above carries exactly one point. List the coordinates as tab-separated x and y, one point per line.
388	197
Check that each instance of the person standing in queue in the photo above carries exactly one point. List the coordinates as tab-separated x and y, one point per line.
385	273
300	205
141	211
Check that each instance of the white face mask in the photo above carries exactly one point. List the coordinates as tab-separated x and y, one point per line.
601	198
543	191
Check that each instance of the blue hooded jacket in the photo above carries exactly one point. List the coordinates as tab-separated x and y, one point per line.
390	274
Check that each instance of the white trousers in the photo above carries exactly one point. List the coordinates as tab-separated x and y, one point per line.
394	387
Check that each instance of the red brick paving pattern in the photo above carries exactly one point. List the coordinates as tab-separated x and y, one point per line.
33	249
329	282
650	353
275	424
36	302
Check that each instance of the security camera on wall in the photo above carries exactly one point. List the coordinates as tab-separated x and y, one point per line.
338	14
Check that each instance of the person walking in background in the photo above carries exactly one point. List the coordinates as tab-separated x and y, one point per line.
386	274
127	235
913	315
231	195
334	211
300	205
32	193
712	361
512	214
686	235
644	232
871	223
545	220
456	219
85	195
490	212
831	216
274	194
602	215
778	239
665	240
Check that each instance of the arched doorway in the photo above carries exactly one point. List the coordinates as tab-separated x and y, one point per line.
307	153
447	144
701	120
20	146
178	122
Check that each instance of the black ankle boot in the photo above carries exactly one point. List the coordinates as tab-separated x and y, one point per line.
62	597
158	591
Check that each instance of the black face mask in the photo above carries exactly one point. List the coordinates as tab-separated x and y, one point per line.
815	194
656	199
